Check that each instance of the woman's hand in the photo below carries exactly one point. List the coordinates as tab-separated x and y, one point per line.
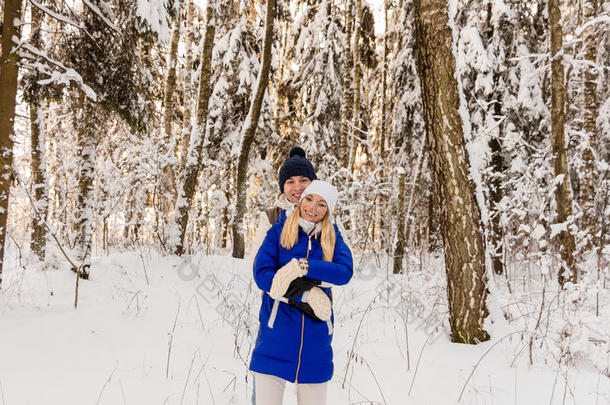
299	286
283	277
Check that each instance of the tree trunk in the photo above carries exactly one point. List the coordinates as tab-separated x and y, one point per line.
39	181
8	91
38	161
399	251
248	132
587	196
459	214
563	195
188	73
346	107
356	114
169	144
496	233
193	161
86	125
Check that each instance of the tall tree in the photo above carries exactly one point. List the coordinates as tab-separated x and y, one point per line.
563	195
587	194
9	70
38	161
193	161
248	133
357	123
460	218
347	103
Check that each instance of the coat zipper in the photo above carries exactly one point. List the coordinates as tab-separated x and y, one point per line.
296	378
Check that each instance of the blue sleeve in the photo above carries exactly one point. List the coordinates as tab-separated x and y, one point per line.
266	260
339	271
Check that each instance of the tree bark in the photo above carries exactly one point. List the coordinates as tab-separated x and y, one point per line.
399	251
8	90
39	181
86	125
563	195
459	214
587	196
346	107
188	73
169	180
193	162
38	161
357	73
248	133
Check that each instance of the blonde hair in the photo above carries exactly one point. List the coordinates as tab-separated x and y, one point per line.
290	234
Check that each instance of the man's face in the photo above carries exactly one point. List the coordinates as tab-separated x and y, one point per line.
294	186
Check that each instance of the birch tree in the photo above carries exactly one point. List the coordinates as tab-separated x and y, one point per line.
460	218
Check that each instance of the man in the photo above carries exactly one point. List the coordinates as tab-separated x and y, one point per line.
295	175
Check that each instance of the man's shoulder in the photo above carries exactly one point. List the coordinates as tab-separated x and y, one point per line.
273	214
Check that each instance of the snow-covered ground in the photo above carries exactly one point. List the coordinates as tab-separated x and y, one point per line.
164	330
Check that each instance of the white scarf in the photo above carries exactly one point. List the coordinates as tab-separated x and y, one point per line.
310	228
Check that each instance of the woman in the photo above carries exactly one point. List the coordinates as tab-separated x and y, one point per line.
299	260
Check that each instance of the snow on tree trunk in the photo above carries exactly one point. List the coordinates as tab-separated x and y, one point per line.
346	107
188	69
39	181
8	90
248	133
399	251
193	163
587	171
357	124
38	158
460	218
87	126
169	180
563	194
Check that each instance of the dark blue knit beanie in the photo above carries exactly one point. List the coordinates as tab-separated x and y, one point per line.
296	165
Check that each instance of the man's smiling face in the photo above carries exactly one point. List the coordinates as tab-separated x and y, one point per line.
294	186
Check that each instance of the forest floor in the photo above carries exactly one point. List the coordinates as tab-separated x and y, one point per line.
164	330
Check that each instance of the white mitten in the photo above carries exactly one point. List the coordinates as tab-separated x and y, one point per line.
283	277
319	303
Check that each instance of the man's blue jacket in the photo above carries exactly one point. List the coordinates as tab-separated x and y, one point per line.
291	345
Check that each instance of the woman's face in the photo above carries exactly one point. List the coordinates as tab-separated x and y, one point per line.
313	208
294	187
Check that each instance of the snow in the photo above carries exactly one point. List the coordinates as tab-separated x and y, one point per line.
155	14
114	348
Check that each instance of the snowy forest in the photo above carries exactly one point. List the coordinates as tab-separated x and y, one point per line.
140	146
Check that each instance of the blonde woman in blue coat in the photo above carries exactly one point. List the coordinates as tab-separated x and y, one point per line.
301	258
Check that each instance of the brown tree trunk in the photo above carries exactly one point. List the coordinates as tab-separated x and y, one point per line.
169	179
563	194
459	214
346	107
357	73
8	90
193	161
587	196
248	133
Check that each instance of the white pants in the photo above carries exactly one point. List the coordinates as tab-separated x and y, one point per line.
269	390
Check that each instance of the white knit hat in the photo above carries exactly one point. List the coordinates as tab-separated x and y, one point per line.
325	190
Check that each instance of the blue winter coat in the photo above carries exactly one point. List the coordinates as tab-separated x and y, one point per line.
296	347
